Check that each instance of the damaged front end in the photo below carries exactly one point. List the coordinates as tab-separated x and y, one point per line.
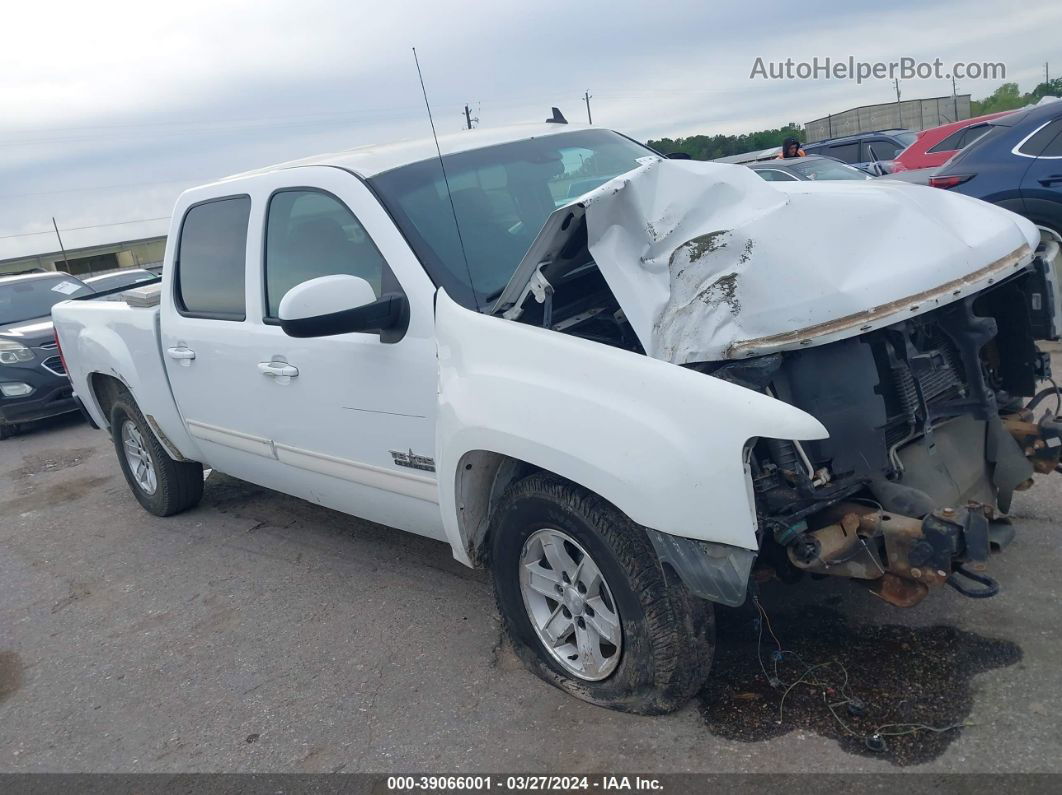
903	319
929	439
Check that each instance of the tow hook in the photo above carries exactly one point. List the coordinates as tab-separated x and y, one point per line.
991	587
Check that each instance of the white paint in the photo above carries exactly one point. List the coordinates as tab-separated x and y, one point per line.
662	443
326	433
325	295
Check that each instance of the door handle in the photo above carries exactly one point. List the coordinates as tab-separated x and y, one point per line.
182	354
278	369
1047	182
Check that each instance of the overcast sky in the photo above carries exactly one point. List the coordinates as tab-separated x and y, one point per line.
111	108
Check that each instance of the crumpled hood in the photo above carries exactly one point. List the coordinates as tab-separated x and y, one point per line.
711	262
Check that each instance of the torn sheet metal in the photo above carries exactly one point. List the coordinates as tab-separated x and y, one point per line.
711	262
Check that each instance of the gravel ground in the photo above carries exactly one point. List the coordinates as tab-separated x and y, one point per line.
262	633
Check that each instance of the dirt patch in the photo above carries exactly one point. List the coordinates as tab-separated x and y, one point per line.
701	245
10	673
722	291
874	689
746	253
55	494
51	461
78	591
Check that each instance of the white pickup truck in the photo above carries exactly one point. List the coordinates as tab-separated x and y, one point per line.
619	381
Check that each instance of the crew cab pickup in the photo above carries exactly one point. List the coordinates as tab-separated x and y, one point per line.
622	402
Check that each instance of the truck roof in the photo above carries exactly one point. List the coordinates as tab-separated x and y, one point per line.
367	161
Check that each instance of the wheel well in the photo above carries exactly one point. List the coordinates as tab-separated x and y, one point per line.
106	389
482	477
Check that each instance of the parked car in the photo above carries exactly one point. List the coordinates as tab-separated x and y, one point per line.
869	151
918	176
811	167
1017	164
621	406
33	382
126	277
935	146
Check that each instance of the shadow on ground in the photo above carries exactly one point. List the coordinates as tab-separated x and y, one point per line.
894	692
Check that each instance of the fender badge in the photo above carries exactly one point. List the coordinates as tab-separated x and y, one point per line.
413	461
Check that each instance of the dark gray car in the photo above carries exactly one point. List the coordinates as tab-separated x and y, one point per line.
811	167
33	382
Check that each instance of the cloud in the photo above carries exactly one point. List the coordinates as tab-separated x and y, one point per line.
112	108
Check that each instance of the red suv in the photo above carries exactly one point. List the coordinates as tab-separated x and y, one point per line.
935	146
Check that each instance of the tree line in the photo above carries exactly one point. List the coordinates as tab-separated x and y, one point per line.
709	147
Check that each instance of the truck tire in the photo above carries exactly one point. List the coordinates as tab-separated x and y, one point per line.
159	483
587	605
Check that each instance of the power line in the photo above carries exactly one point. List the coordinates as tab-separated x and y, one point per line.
91	226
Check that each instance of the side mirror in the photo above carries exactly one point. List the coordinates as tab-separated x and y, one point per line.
342	304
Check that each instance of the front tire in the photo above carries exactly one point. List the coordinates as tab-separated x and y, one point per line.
588	606
159	483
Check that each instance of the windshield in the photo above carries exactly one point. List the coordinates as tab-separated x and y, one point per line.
906	138
33	298
502	195
826	169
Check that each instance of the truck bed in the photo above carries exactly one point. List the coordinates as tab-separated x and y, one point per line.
117	336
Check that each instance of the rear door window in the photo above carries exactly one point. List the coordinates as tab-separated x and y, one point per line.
949	144
211	260
1034	145
1053	149
880	149
849	152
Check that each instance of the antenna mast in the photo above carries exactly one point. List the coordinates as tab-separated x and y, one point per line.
446	181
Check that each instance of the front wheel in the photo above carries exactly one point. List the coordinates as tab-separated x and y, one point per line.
159	483
588	606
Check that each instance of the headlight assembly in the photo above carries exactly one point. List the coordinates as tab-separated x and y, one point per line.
12	352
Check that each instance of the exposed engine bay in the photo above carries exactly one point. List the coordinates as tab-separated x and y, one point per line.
929	439
934	419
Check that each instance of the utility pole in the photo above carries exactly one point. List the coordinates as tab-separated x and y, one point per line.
1047	76
468	117
55	226
899	114
587	96
954	99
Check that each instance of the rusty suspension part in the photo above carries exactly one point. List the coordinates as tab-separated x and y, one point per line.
918	553
1041	441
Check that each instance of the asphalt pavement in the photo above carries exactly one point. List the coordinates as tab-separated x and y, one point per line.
262	633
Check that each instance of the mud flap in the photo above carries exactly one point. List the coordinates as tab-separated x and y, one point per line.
716	572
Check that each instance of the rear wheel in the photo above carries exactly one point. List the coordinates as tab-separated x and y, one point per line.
159	483
588	606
